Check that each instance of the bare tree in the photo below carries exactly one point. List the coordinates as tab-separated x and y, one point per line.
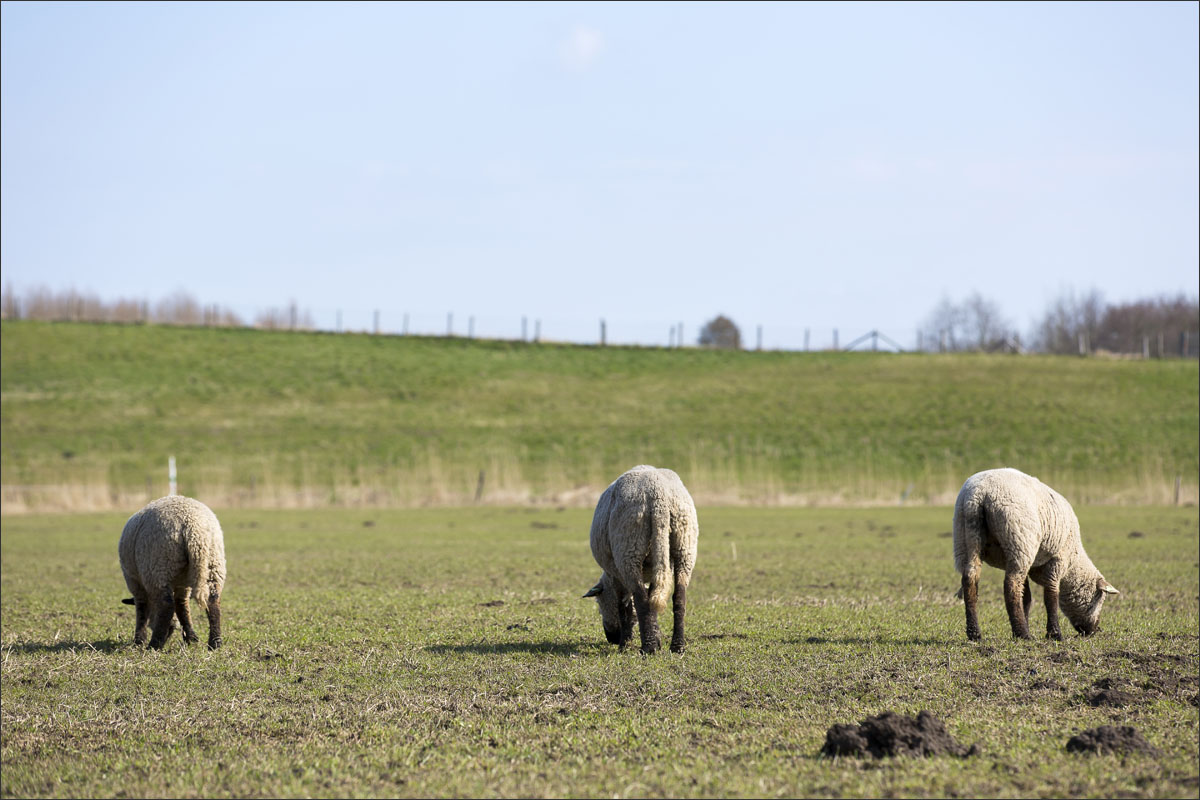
290	317
1142	325
721	332
974	324
1070	323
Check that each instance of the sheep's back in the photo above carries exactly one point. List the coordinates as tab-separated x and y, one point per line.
1023	515
158	542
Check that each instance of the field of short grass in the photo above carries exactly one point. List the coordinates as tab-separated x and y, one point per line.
447	652
254	418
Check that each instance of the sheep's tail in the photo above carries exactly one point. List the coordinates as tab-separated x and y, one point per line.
662	579
970	526
198	557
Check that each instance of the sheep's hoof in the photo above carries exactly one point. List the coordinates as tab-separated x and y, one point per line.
676	648
1055	636
974	636
214	644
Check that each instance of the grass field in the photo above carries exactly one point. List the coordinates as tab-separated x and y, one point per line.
91	413
442	652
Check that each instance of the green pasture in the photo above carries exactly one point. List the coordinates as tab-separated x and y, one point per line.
447	652
91	413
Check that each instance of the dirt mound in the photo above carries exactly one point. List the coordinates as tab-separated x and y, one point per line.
1110	739
892	734
1111	692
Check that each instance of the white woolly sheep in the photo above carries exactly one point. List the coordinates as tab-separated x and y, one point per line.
644	531
169	550
1015	522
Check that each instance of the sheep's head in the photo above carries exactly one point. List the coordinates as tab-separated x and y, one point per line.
610	607
1083	605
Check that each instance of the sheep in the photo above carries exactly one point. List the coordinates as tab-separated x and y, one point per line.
644	531
1015	522
169	550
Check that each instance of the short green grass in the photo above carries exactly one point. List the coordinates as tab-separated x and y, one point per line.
91	413
446	652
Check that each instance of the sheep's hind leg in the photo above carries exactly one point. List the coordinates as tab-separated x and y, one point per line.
162	614
1027	601
185	616
214	621
1013	600
680	606
970	591
647	619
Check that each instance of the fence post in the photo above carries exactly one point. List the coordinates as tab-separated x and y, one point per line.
759	337
404	329
377	322
835	342
603	335
806	340
537	330
1177	478
339	321
680	337
449	323
470	327
1146	347
524	328
171	474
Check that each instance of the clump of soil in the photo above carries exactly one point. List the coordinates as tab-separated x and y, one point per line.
892	734
1110	739
1110	693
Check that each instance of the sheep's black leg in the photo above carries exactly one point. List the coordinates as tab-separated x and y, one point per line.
1027	601
1012	601
680	606
647	619
162	614
185	617
1051	598
970	589
214	621
141	618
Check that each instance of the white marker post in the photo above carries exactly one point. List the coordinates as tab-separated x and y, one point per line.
171	473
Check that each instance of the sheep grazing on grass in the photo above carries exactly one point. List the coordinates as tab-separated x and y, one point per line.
1015	522
644	536
169	550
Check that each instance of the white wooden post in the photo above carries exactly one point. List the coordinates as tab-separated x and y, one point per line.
171	474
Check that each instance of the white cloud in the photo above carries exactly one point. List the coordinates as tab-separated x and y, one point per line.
581	48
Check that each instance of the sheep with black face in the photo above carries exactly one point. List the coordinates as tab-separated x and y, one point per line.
644	536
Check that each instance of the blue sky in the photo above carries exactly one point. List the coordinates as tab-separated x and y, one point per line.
795	166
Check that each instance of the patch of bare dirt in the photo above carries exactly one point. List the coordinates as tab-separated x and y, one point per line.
1111	692
892	734
1119	739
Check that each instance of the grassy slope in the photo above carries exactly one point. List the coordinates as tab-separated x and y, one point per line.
260	417
372	659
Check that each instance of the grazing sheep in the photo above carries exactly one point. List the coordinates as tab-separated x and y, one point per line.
1015	522
169	550
644	532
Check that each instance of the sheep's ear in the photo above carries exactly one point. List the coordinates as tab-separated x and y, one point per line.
595	590
1106	587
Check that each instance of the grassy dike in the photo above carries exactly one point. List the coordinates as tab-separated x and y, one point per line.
90	414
